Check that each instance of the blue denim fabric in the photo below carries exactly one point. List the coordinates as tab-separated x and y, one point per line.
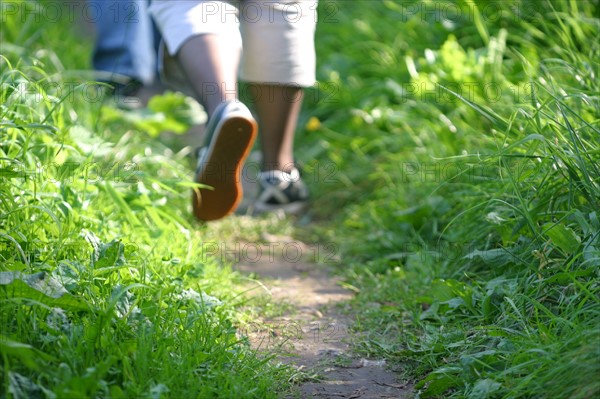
126	41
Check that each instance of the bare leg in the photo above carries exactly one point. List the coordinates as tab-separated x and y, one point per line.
210	63
278	109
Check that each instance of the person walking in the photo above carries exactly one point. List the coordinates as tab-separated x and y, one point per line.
270	45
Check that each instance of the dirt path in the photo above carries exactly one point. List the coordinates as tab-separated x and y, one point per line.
312	333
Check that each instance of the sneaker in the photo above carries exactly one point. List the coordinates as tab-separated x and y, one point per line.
230	134
282	191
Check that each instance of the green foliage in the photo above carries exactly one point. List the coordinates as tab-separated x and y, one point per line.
105	290
467	160
454	159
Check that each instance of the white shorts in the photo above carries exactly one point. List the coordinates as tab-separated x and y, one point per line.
276	36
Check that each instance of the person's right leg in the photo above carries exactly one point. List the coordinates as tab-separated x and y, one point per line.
210	63
205	38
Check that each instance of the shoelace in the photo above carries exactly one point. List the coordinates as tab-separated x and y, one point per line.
274	182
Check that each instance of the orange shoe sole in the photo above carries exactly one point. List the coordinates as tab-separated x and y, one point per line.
222	170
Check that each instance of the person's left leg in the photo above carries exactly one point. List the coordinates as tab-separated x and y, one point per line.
279	59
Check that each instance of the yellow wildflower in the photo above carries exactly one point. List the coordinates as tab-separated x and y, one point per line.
313	124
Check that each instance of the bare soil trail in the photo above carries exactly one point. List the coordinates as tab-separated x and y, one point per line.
313	333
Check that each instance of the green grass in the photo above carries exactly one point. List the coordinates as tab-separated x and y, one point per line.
455	165
107	289
467	158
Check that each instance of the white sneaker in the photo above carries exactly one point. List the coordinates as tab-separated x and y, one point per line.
282	191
